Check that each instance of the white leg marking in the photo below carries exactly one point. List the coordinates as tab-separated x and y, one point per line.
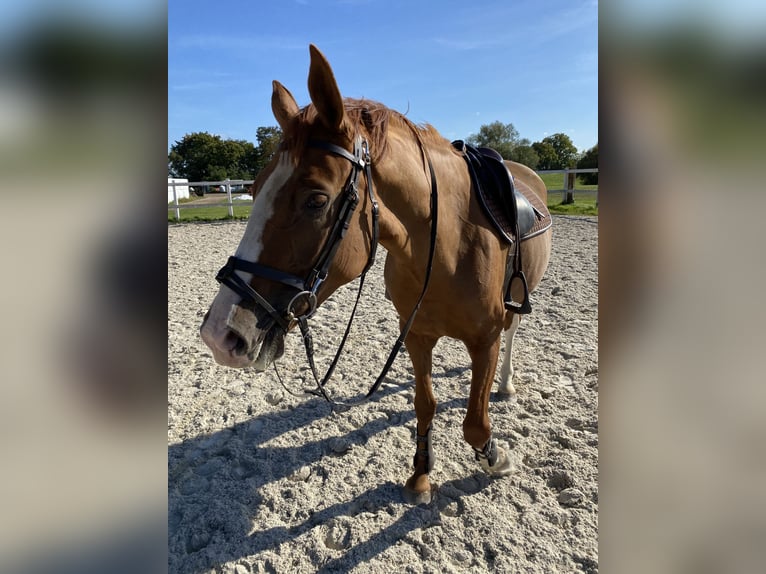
506	372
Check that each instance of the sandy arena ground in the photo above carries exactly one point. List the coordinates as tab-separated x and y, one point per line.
262	481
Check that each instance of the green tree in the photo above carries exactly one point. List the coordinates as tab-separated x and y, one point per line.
502	138
546	155
268	141
228	160
525	154
246	166
190	156
589	160
566	152
201	156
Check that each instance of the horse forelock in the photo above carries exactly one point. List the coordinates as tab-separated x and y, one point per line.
367	118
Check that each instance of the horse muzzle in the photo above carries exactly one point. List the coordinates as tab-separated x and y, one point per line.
241	340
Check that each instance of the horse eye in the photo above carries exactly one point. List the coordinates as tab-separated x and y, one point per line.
317	201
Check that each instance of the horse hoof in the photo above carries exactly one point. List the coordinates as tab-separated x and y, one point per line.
503	466
415	498
418	489
506	395
506	389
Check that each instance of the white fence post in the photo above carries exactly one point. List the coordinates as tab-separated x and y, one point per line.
175	202
228	195
569	189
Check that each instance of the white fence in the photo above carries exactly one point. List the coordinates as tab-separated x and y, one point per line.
570	175
176	190
226	184
176	185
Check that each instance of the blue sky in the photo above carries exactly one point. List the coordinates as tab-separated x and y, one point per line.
454	64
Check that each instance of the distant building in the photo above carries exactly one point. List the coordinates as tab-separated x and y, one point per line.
182	191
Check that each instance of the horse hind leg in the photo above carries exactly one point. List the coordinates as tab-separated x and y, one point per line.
417	489
505	386
477	432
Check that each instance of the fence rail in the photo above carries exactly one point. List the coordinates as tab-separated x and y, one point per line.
227	183
568	191
570	175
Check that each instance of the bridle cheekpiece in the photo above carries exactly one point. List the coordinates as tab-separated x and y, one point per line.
309	286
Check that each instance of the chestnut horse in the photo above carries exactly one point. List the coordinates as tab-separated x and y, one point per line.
300	202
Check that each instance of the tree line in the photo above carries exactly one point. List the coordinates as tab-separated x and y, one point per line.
201	156
553	152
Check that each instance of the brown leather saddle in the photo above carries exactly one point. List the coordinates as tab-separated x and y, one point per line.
504	200
514	210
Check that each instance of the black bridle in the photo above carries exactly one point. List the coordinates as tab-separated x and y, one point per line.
307	288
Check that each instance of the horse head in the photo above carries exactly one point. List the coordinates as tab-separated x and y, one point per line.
305	237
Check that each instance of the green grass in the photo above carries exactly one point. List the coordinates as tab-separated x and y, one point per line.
556	181
584	196
211	213
581	206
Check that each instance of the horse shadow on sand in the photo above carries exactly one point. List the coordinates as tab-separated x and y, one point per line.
215	487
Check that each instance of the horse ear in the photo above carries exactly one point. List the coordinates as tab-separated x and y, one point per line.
324	91
283	105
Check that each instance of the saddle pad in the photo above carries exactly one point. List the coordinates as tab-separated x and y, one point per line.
503	198
502	222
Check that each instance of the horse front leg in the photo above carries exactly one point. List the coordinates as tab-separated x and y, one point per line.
418	488
477	430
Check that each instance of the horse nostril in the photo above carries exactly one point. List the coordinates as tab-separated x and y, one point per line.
235	343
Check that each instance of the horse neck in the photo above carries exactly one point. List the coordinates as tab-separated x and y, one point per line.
403	184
